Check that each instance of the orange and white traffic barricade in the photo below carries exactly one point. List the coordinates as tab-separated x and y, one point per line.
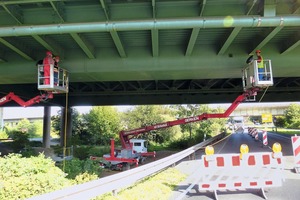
256	135
251	131
265	138
296	152
254	132
240	171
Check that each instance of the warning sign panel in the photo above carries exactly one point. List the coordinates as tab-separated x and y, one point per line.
266	118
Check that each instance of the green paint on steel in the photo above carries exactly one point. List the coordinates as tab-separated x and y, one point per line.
183	23
88	49
229	40
192	41
15	49
155	42
268	38
118	43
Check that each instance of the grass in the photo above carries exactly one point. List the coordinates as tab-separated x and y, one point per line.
159	186
285	131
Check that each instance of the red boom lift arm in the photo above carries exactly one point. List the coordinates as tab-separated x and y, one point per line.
12	97
125	136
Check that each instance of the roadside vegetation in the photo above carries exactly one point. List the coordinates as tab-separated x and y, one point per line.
27	173
285	131
159	186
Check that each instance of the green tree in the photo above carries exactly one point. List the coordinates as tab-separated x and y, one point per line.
103	123
33	129
78	125
292	116
197	131
184	111
280	121
24	125
147	115
20	140
190	110
36	129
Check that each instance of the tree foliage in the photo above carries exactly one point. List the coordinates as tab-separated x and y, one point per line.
103	123
21	178
20	140
146	115
202	128
292	116
75	167
190	110
56	121
33	129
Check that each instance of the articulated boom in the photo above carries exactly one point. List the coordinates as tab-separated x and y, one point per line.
12	97
58	83
125	136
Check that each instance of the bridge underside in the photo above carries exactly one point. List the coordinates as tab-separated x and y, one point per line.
121	52
161	92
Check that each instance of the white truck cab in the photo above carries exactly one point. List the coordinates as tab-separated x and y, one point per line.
139	145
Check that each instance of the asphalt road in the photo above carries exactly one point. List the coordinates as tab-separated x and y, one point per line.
187	190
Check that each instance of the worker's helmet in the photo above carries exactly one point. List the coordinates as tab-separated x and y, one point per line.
48	53
258	51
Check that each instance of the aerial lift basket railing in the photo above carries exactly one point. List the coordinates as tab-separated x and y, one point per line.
253	77
58	79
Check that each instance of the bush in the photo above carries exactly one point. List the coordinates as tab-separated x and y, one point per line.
182	143
82	152
20	140
76	167
21	178
3	135
28	151
85	177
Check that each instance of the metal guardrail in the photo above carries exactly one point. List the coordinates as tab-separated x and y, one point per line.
122	180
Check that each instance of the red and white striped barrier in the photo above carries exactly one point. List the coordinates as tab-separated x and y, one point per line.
296	151
256	136
255	133
249	130
265	138
252	132
228	171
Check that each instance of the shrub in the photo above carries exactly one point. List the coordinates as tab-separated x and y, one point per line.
182	143
99	151
82	152
20	140
21	178
28	151
85	177
76	167
3	134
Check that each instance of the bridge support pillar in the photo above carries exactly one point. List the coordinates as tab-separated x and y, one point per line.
46	127
66	126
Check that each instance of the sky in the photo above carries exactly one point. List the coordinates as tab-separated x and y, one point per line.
31	112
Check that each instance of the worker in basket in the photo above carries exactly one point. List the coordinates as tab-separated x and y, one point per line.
260	65
47	62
